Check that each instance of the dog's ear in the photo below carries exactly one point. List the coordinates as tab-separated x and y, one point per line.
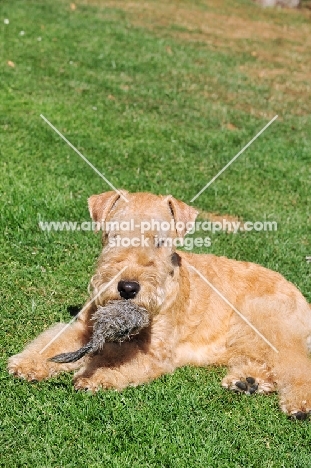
183	214
100	205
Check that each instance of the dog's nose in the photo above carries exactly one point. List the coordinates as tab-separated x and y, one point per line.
128	289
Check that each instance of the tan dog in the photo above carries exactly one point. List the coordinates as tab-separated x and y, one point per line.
190	322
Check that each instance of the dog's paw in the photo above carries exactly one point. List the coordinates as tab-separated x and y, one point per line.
86	384
31	367
92	380
236	382
294	406
300	415
247	386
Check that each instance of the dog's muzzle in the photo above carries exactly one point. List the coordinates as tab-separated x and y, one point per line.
128	289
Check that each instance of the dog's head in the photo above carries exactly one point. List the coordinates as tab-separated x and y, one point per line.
140	234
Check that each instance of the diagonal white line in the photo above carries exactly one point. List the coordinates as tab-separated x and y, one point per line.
82	310
233	159
234	308
84	158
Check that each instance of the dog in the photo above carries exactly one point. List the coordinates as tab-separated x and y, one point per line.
192	301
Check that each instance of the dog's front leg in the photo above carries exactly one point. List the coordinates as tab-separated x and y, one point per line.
33	362
120	366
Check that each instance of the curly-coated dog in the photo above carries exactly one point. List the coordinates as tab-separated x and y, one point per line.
189	300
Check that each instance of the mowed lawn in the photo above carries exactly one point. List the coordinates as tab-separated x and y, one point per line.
159	96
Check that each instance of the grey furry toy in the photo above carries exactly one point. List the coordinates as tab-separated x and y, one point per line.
117	321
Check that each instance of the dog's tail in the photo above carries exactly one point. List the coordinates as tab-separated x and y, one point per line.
74	356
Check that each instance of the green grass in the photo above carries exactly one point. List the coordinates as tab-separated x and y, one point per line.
150	108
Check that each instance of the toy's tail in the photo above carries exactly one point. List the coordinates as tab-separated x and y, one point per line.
72	357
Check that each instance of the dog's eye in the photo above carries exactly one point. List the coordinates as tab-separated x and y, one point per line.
109	238
159	242
112	235
175	259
